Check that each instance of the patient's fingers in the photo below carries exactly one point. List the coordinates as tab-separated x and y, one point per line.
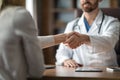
76	39
73	41
69	34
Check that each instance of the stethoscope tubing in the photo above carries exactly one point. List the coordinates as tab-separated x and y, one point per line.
76	24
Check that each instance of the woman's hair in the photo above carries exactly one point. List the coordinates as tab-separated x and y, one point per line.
13	3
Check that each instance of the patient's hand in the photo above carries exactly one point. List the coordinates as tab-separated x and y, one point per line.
71	63
75	39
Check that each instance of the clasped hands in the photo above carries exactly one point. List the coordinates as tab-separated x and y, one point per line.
75	39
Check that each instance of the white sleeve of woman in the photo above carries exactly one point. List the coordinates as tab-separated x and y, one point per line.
46	41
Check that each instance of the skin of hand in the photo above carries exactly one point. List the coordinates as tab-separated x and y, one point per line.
71	63
71	40
75	39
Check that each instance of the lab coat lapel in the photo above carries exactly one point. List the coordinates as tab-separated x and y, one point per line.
96	24
82	25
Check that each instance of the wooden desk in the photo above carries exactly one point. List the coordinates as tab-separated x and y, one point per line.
63	73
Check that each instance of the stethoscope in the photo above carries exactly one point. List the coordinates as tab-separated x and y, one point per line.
77	27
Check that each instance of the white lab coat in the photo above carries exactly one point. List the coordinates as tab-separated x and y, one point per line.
101	51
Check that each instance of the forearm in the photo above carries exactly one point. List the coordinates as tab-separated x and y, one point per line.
59	38
47	41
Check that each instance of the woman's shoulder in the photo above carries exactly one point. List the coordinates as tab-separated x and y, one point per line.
20	10
17	14
14	10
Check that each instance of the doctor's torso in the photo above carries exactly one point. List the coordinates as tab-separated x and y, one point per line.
87	55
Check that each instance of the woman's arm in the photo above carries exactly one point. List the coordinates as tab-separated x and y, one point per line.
47	41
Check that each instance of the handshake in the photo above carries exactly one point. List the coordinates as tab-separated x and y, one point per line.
73	39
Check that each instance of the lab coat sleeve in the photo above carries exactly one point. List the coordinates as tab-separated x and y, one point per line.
25	28
46	41
108	38
64	52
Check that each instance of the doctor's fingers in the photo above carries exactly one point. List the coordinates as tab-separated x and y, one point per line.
83	38
71	64
74	43
69	34
72	38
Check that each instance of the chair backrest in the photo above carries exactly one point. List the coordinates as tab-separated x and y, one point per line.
115	12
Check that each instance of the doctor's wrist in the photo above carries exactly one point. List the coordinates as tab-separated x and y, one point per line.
86	39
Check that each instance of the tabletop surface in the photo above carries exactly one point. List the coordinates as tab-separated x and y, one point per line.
64	72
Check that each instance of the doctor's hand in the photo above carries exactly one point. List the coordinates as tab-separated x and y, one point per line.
72	40
71	63
75	39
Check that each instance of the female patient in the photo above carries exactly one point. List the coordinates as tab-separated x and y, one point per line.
20	53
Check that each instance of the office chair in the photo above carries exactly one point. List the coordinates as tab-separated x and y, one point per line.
115	12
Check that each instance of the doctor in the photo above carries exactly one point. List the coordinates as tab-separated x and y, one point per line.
95	38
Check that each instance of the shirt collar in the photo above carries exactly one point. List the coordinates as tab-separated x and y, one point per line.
97	20
99	17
